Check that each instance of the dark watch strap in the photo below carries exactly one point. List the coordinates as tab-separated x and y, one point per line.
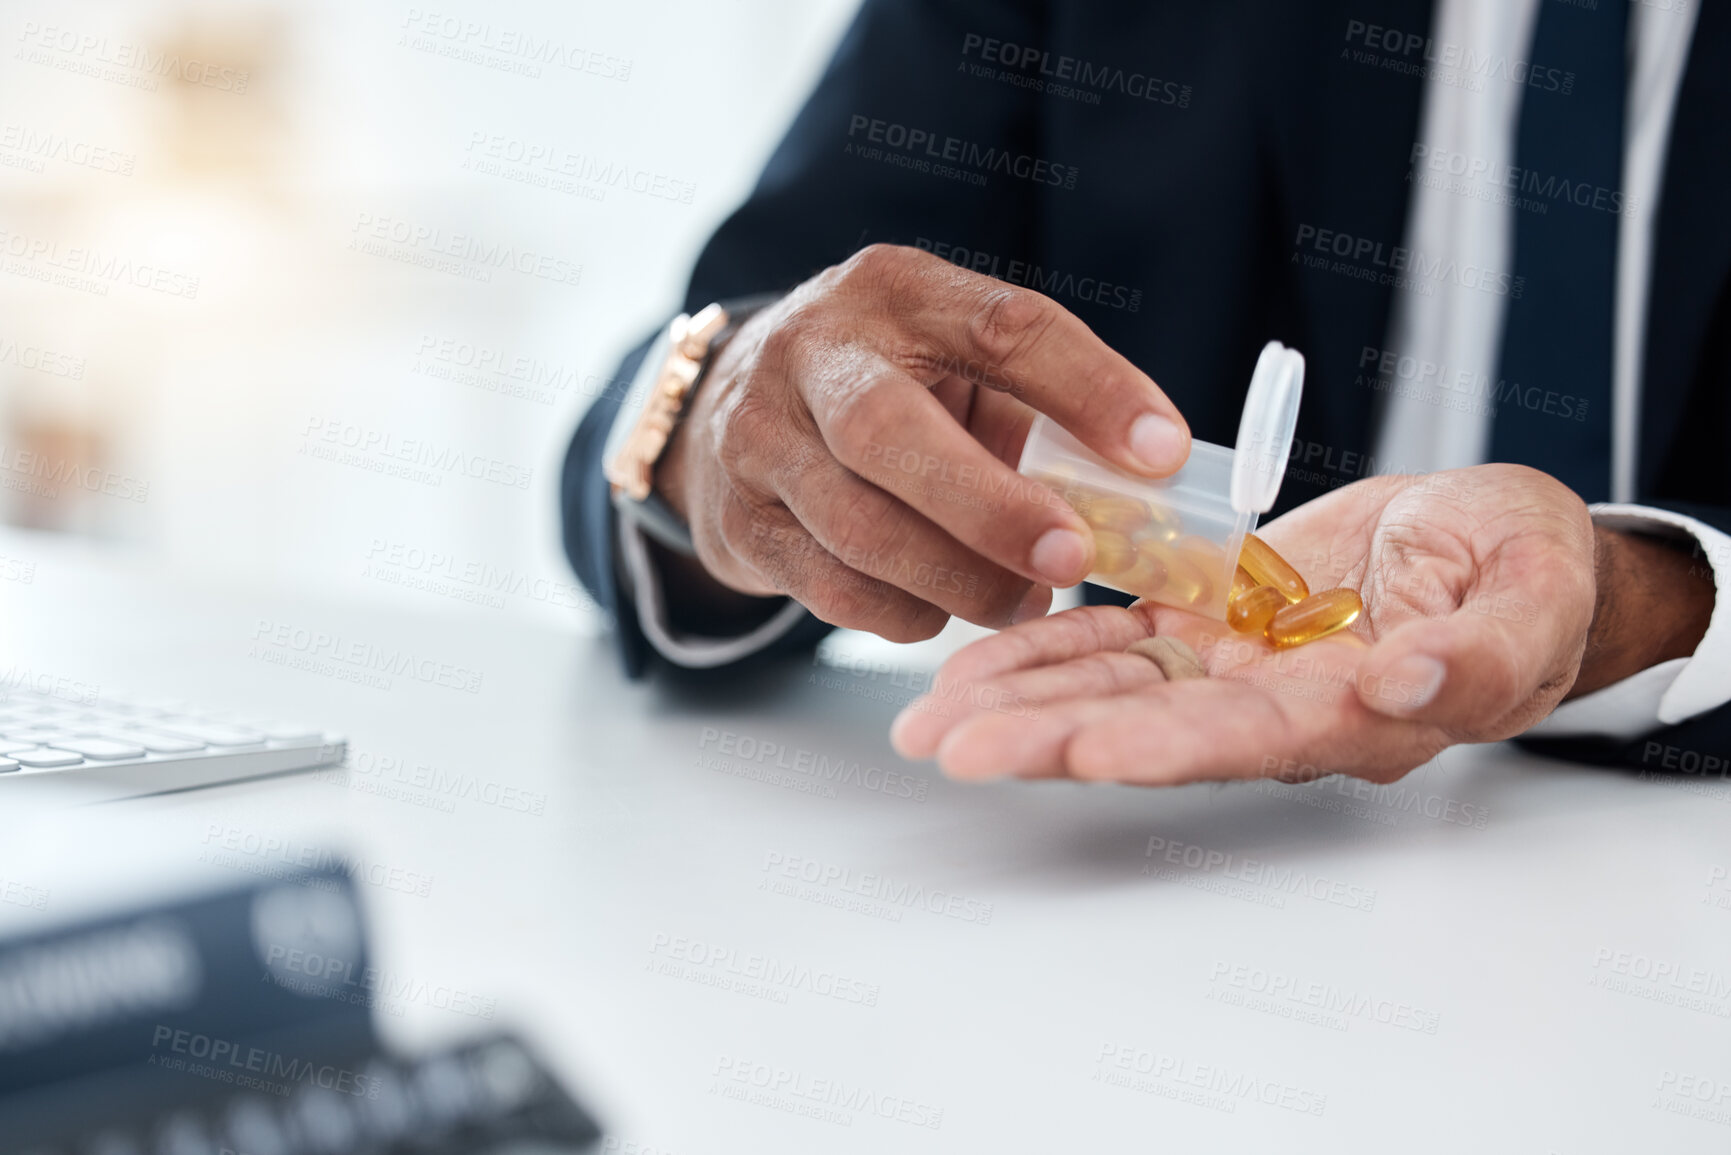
656	518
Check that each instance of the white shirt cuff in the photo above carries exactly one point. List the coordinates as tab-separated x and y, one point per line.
693	651
1673	691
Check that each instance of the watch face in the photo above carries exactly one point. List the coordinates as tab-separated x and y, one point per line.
638	397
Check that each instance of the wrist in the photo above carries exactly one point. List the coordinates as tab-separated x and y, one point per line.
669	476
1651	604
673	468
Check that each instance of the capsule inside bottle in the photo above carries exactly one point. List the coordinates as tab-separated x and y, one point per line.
1113	553
1107	511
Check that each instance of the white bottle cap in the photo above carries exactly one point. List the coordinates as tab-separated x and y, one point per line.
1266	427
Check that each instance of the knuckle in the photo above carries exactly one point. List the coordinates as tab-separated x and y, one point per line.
740	526
857	420
742	533
877	263
742	427
782	343
794	461
1007	321
840	601
852	600
867	524
801	321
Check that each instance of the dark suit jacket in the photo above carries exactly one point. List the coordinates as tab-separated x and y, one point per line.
1162	170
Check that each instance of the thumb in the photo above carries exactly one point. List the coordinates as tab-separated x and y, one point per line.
1477	676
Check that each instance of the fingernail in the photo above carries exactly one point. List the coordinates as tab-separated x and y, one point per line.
1059	556
1035	605
1416	679
1158	442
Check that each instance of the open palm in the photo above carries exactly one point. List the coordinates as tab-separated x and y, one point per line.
1478	586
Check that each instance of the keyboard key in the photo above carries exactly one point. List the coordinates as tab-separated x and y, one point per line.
212	735
158	706
42	757
288	732
44	737
155	743
99	749
7	765
9	747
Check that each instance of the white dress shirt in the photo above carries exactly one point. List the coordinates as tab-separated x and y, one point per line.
1444	423
1462	210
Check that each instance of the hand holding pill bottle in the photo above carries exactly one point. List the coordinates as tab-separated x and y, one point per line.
1186	541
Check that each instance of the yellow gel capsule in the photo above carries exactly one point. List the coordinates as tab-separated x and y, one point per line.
1268	568
1243	583
1163	524
1113	553
1251	613
1315	617
1147	576
1106	511
1202	551
1186	581
1207	563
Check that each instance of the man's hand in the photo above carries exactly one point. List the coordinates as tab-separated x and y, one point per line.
1488	595
850	446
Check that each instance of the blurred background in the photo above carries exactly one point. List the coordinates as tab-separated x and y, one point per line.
313	292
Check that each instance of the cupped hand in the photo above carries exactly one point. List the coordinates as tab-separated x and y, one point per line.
1479	591
853	446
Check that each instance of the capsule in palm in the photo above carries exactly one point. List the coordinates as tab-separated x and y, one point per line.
1242	583
1315	617
1268	568
1250	613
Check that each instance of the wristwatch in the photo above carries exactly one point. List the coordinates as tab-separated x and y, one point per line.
670	371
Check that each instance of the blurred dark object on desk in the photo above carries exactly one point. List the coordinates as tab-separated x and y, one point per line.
239	1023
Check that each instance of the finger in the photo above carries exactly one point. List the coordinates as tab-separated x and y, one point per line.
873	533
1016	340
886	427
984	746
1474	676
1164	734
792	562
1071	634
1000	423
1178	732
1478	675
920	728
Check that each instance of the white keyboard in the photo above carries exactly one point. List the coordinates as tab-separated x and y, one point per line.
117	749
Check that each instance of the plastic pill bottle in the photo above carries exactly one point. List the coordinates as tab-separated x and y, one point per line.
1176	541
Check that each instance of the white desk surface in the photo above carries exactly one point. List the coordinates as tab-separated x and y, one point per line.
1558	980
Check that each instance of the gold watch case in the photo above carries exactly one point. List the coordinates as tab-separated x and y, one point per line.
632	469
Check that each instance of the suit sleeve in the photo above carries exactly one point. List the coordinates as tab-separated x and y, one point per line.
1691	735
845	176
